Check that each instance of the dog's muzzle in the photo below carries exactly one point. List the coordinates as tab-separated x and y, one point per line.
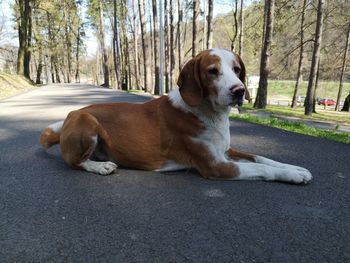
237	92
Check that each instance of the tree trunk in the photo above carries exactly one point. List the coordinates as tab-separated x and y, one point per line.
57	70
40	65
103	47
144	45
301	57
166	45
151	43
310	96
52	69
116	49
261	98
210	24
316	86
28	52
179	30
346	106
67	42
345	57
24	36
136	56
156	45
195	27
77	68
172	44
124	47
235	27
241	30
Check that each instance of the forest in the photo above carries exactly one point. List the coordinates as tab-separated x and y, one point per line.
142	45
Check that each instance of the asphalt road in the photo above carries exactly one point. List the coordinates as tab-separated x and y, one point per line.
50	213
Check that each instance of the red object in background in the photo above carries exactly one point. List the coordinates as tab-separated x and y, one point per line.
326	102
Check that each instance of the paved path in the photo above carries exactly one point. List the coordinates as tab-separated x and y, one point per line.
50	213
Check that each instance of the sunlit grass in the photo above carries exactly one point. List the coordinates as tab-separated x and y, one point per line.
321	115
297	127
13	84
326	89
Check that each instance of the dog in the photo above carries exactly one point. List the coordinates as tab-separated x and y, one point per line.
189	128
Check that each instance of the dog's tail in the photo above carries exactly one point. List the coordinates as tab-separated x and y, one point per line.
51	135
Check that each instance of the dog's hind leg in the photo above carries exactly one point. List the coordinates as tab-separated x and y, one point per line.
79	138
51	135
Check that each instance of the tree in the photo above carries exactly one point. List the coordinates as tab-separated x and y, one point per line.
310	96
172	44
179	30
135	34
241	30
346	106
301	56
115	45
235	26
144	45
155	46
261	98
346	51
210	24
24	23
103	46
166	45
195	27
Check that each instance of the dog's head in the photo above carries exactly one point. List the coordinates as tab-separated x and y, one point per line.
217	75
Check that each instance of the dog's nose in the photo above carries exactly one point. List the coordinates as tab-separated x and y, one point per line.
237	90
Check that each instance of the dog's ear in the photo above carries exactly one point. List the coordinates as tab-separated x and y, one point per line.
189	83
242	74
242	77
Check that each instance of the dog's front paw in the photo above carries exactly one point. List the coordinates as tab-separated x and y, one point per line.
300	176
107	168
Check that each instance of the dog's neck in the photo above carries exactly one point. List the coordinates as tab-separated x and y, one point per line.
205	111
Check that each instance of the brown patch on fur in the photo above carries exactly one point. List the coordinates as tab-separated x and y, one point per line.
48	138
194	82
242	77
76	139
236	155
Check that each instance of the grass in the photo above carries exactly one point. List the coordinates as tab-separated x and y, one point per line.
135	91
297	127
321	115
326	89
13	84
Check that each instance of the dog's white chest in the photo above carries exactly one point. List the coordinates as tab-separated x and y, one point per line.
216	137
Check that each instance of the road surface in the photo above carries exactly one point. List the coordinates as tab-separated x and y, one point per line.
50	213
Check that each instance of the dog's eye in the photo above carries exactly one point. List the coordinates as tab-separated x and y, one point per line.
213	71
237	70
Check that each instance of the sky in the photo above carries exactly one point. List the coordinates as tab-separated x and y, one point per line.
10	34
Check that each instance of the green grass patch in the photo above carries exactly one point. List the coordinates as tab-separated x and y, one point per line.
321	115
326	89
297	127
135	91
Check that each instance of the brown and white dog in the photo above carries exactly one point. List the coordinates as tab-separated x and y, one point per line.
187	129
